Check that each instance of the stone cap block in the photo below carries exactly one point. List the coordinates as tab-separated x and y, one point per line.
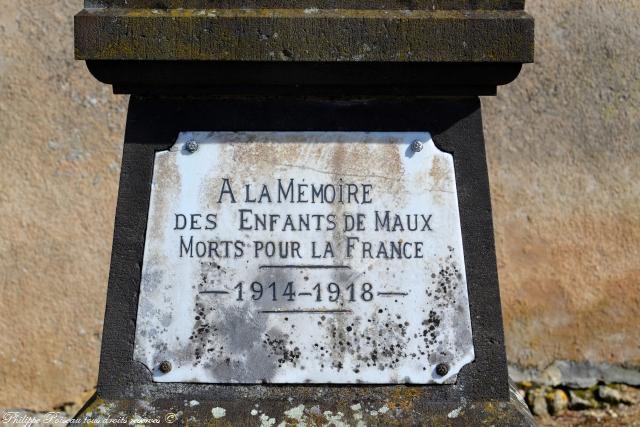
418	31
318	4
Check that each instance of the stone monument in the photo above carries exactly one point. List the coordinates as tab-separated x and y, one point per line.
303	232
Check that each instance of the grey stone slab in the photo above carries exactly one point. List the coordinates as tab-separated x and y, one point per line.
305	35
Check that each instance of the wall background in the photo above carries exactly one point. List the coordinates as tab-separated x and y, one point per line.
564	153
564	157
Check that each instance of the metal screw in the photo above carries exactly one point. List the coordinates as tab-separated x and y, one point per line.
192	146
417	145
165	367
442	369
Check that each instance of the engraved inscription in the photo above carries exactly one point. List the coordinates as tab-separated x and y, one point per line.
284	257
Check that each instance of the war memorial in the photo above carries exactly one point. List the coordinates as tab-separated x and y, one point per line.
303	233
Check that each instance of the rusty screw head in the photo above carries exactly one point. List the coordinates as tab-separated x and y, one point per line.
442	369
192	146
417	145
165	367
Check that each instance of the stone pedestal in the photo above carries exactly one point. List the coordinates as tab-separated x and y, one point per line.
348	69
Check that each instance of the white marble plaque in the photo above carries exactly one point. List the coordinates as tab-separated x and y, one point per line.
303	257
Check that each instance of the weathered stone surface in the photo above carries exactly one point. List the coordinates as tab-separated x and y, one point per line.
320	4
577	374
537	402
557	401
297	410
312	34
613	395
614	416
287	273
582	399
